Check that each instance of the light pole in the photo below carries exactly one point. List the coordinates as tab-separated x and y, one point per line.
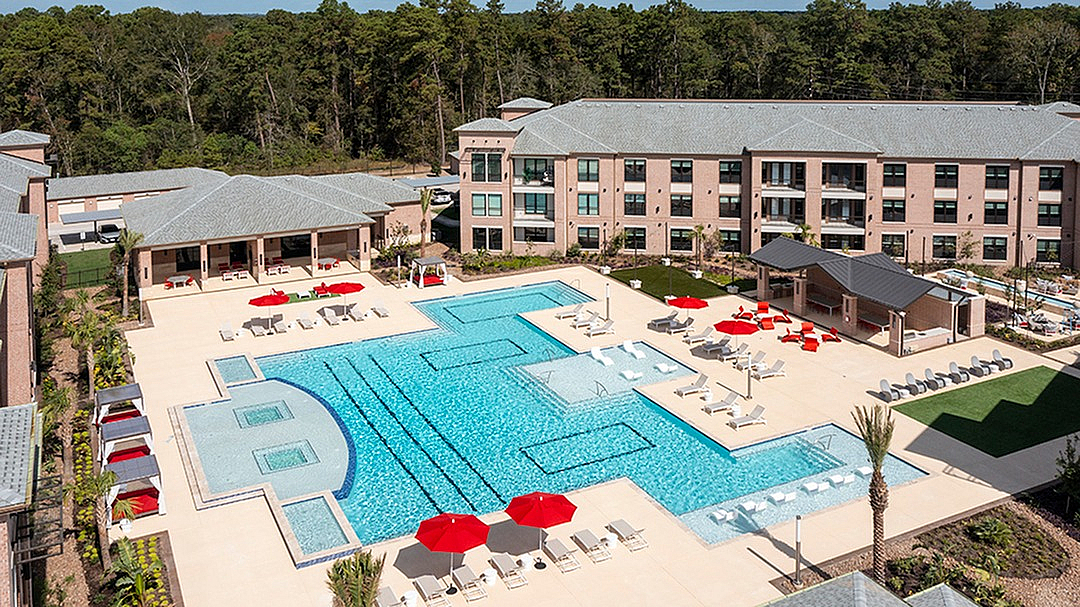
798	551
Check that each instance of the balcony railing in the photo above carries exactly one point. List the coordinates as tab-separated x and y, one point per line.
791	185
844	185
784	218
543	178
851	220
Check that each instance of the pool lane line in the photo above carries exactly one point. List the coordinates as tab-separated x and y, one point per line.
431	459
449	311
436	430
385	443
521	352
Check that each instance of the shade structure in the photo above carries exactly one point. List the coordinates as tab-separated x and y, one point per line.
265	301
736	327
344	288
453	533
539	509
688	303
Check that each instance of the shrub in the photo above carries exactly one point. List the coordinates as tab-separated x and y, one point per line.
991	531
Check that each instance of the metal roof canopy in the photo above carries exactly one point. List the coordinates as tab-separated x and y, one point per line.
135	469
119	394
125	428
788	254
90	216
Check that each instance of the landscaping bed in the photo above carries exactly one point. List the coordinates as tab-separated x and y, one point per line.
655	282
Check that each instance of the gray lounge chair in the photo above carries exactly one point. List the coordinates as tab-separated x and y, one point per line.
776	370
698	338
757	416
957	374
509	570
979	368
661	324
226	332
571	313
380	310
281	326
581	323
681	327
356	313
734	354
629	535
933	381
694	388
591	545
469	583
721	405
331	317
387	598
258	330
608	328
915	385
888	393
712	347
1002	362
305	322
562	556
433	593
754	363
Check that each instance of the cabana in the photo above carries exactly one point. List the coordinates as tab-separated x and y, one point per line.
428	271
126	439
139	481
121	402
872	293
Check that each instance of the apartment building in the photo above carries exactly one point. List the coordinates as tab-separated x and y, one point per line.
989	183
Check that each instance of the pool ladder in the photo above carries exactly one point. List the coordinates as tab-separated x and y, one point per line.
601	389
545	376
825	442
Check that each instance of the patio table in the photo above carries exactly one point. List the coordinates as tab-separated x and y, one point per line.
821	303
325	263
179	280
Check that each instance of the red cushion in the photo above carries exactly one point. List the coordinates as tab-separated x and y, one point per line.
126	454
810	345
115	417
767	323
142	501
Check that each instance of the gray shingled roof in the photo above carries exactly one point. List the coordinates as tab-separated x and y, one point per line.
18	236
851	590
787	254
525	103
10	199
941	595
895	130
239	206
19	138
137	181
379	191
18	454
872	279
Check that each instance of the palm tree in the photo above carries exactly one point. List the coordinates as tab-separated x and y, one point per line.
96	487
876	429
354	581
133	582
699	240
125	246
85	333
425	204
806	234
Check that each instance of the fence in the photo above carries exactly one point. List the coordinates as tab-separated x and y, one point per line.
85	278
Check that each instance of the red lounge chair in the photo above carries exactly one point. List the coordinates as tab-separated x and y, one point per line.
807	327
832	335
782	318
223	267
810	345
762	308
280	293
143	501
743	314
321	290
790	337
766	323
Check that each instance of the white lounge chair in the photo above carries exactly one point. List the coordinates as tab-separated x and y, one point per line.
331	317
813	487
979	368
698	338
661	324
226	332
305	322
580	323
755	417
957	374
571	313
380	310
509	570
599	357
694	388
629	535
591	545
356	313
433	593
666	368
755	363
608	328
681	327
864	471
1002	362
839	480
562	556
782	498
631	349
914	385
631	375
753	506
734	354
722	516
776	370
469	583
258	330
387	598
721	405
933	381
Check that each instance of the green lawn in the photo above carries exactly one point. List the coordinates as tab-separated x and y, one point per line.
1005	414
654	281
87	268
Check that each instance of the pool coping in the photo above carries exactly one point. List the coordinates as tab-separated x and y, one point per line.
222	385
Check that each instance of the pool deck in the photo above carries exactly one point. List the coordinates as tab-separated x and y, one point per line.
240	542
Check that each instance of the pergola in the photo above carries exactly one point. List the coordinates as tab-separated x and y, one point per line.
132	478
111	399
129	433
419	272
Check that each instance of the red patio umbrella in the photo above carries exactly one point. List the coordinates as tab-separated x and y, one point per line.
453	533
344	288
541	510
688	303
736	327
274	299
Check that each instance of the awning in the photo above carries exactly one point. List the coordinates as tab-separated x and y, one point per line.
91	216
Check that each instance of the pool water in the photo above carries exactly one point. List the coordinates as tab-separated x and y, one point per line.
235	369
314	525
446	420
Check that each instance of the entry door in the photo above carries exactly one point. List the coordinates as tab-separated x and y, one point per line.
238	252
963	314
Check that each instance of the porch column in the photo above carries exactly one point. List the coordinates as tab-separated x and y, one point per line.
364	247
204	262
896	332
260	257
977	316
314	251
145	268
799	305
850	307
764	292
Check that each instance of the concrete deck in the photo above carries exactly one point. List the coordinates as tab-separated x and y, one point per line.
241	543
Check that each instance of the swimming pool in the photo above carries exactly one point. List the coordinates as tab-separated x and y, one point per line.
461	419
1064	304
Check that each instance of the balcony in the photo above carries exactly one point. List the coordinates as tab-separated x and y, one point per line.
544	179
782	223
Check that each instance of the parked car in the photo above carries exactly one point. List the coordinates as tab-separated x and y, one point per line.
442	197
108	232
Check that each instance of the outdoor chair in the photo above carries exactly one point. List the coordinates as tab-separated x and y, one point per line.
380	310
571	313
694	388
599	357
750	507
736	353
742	314
356	313
914	385
469	583
682	327
710	347
631	375
782	498
790	337
782	317
832	335
957	374
258	330
281	326
321	290
659	324
629	347
509	570
387	598
776	370
331	317
757	416
807	327
562	556
629	535
698	338
591	546
608	328
433	593
762	308
581	323
723	516
766	323
1002	362
305	322
722	405
226	332
933	381
980	368
810	344
753	363
888	393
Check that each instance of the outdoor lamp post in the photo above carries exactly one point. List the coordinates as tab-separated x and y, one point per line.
798	550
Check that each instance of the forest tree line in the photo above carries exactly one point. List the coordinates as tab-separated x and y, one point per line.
285	91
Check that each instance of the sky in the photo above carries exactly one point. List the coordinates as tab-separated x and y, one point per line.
261	6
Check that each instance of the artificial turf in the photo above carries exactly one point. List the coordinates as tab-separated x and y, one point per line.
654	281
1002	415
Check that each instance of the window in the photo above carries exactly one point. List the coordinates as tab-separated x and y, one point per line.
844	242
784	174
1051	178
634	204
849	176
487	205
996	211
945	175
767	237
894	175
682	239
487	167
730	241
588	238
730	171
537	169
588	169
682	205
536	204
187	258
682	171
296	246
944	247
588	204
634	170
892	210
489	239
534	234
730	206
1047	250
1049	214
944	211
843	211
997	177
790	210
995	248
635	238
893	245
